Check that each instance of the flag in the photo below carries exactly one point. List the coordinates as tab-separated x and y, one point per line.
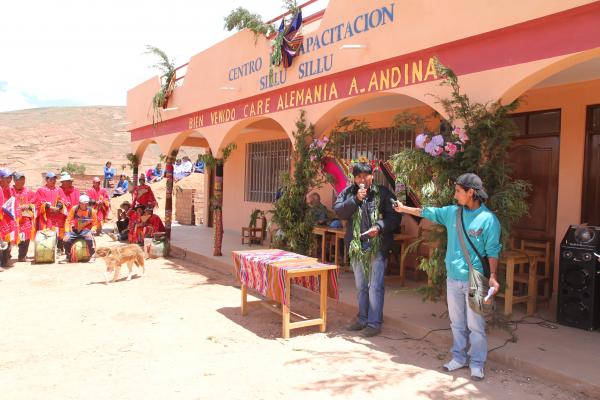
9	208
292	39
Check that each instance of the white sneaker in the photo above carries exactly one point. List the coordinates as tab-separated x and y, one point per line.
453	365
477	374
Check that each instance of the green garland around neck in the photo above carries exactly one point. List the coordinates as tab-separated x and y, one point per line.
356	252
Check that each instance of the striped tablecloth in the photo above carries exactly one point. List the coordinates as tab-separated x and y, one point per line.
264	271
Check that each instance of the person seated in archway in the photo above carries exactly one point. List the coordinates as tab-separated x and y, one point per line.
122	186
142	194
185	169
157	173
149	224
80	224
199	166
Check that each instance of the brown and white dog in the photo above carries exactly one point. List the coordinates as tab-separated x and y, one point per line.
115	256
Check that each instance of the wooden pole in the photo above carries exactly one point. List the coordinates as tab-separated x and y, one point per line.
135	174
169	198
218	207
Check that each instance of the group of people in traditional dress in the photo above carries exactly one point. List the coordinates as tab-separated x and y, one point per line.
72	214
136	220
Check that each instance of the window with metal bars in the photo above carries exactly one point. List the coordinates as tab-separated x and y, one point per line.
379	144
265	161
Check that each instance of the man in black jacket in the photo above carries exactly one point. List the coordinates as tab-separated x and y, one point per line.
369	236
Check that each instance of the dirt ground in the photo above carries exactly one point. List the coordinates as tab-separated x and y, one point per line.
177	333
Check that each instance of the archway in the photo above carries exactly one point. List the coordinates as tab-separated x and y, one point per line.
530	81
251	175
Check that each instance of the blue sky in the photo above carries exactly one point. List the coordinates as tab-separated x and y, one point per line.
73	52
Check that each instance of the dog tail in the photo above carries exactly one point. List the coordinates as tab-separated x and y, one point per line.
139	259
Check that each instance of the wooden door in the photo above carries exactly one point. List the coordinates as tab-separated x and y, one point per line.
535	160
590	209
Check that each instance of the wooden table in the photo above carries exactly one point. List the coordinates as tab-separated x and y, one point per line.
338	233
288	271
404	239
511	259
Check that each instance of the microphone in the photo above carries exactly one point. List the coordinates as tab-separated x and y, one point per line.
361	186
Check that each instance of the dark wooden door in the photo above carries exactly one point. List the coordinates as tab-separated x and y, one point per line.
590	210
535	160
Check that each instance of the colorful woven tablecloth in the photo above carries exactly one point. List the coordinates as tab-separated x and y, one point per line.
264	271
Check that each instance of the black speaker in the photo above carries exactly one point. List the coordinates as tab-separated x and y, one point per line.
579	278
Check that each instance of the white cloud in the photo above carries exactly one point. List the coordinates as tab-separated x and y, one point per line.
92	52
12	99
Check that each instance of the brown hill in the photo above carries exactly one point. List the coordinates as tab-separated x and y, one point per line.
46	139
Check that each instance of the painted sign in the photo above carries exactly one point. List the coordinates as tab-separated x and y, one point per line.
535	40
368	79
361	23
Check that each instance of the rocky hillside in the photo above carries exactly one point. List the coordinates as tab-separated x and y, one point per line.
44	139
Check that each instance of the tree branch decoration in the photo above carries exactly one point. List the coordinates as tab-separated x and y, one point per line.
479	146
291	212
240	19
288	39
211	162
167	68
133	160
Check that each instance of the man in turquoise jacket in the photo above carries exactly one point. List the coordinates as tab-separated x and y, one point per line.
483	229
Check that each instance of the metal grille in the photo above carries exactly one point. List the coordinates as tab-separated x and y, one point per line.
380	144
265	161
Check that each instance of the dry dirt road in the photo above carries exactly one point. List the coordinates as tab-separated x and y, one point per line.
176	333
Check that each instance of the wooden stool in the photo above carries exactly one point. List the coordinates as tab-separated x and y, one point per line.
321	231
252	235
404	240
512	260
542	251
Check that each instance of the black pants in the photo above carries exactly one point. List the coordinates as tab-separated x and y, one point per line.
23	248
123	224
5	257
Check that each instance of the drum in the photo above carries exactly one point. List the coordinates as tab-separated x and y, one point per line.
80	251
45	246
157	247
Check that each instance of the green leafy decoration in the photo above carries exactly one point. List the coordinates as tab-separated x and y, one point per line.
292	213
490	132
167	68
133	160
240	19
211	162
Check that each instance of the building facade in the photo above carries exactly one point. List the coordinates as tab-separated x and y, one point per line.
373	59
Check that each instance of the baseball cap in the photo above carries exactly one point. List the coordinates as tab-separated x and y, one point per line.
50	175
84	198
5	173
18	175
96	179
472	181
